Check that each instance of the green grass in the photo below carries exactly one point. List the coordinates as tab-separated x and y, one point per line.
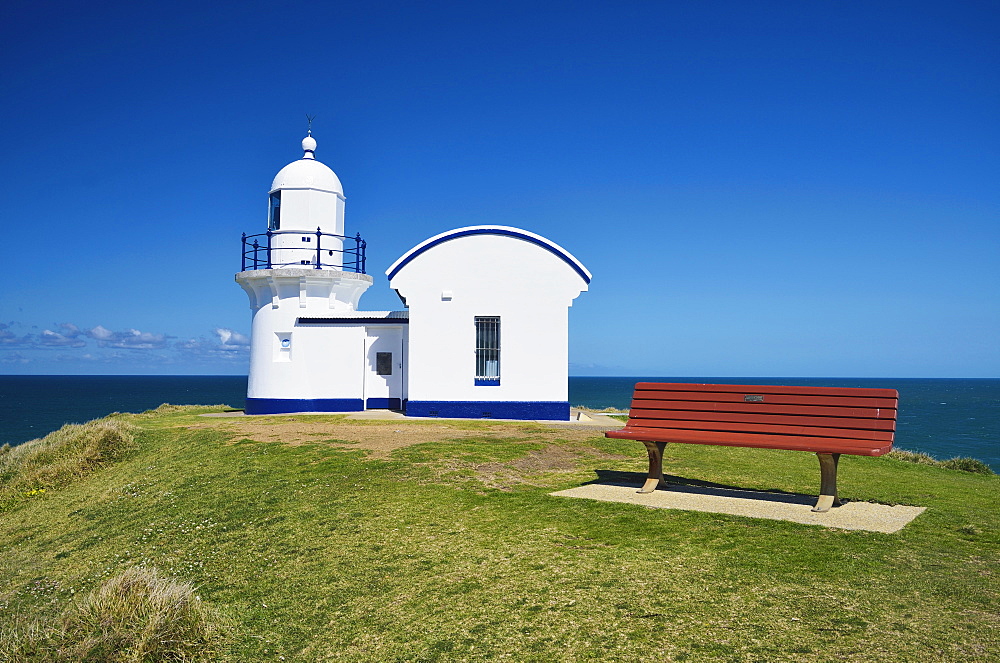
454	550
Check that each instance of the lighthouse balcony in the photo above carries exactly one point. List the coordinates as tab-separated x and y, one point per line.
303	249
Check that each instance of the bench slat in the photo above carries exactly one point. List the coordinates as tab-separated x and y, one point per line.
773	399
745	427
886	424
767	389
766	408
762	441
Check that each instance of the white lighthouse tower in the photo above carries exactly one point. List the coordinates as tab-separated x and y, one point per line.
304	268
485	333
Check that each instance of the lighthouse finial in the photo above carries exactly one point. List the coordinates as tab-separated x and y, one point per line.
309	143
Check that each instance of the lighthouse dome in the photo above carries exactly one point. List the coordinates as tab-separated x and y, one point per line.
307	173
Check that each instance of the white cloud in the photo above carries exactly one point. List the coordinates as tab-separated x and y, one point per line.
100	333
69	358
130	347
228	344
130	339
9	338
51	339
70	330
14	358
231	339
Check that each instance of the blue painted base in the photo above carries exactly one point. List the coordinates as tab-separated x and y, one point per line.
384	404
550	410
282	405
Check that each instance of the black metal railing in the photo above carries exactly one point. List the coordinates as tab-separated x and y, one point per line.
349	256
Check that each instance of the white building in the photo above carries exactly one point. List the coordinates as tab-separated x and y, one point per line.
485	333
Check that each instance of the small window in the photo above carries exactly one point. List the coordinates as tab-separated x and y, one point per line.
383	363
487	350
274	211
283	347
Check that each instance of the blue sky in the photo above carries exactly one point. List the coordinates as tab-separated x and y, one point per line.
760	189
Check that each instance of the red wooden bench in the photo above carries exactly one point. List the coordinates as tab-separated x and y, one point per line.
825	421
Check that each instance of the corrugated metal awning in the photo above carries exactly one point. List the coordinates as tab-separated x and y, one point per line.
360	317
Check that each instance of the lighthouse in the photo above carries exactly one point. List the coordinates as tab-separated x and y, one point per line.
304	268
484	333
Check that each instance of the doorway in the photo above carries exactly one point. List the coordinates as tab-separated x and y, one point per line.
384	367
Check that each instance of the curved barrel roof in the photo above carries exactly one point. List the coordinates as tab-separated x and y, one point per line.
506	231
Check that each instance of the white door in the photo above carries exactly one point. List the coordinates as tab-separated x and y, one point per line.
384	368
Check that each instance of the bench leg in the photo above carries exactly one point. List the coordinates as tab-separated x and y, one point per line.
655	478
828	482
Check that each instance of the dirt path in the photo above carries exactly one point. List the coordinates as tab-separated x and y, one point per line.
383	437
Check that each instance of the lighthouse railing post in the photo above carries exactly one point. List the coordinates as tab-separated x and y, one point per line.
359	253
243	268
319	238
269	248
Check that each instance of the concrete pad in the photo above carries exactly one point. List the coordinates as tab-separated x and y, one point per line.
591	419
754	504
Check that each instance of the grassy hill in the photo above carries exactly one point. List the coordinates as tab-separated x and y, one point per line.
167	534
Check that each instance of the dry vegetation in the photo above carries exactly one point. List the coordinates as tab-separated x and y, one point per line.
958	463
134	616
62	457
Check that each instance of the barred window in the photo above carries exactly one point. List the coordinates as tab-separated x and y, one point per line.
487	350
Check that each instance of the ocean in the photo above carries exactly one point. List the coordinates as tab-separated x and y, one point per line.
941	417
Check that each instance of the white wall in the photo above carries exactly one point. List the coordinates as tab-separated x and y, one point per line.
322	361
305	210
528	286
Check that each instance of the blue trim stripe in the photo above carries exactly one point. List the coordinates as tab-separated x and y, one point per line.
284	405
384	404
532	410
495	231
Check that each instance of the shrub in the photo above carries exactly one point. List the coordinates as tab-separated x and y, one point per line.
911	457
134	616
167	408
964	464
967	465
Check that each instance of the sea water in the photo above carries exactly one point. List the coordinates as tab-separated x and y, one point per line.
941	417
34	405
